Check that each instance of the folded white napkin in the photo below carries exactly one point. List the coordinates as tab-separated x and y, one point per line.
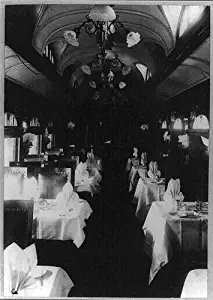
67	190
153	170
67	198
61	202
73	201
172	195
19	268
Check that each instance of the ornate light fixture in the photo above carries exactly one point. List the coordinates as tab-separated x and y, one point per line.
107	63
103	23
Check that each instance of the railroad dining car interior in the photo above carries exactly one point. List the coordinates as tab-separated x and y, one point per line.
106	150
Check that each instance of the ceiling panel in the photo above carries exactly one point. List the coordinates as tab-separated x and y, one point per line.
182	79
20	71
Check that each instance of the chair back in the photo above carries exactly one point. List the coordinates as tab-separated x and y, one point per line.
52	180
18	222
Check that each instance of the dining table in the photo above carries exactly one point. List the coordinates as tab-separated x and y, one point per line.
147	191
167	234
66	224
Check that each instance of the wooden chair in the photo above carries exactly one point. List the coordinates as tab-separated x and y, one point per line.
52	180
18	221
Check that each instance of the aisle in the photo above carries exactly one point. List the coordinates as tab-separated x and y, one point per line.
114	263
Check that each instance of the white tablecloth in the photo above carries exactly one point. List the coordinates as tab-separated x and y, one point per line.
166	233
195	285
57	285
147	192
56	225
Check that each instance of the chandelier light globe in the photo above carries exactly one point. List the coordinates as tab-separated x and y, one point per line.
126	70
71	38
86	69
122	85
92	84
133	38
102	13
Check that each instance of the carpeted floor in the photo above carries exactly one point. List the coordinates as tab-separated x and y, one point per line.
111	261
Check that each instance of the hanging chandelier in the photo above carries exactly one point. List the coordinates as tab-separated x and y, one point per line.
103	23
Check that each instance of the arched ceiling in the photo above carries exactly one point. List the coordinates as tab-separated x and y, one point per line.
29	29
149	21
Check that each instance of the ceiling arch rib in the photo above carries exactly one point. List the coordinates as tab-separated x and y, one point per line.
55	23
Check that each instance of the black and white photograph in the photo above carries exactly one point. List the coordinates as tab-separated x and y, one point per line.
106	149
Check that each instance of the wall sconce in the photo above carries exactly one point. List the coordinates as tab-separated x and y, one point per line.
10	120
34	122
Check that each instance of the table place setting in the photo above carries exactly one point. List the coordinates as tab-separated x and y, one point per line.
62	218
189	210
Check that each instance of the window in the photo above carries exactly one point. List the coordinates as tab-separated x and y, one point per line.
142	69
178	124
164	125
144	72
172	13
201	122
190	16
48	54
